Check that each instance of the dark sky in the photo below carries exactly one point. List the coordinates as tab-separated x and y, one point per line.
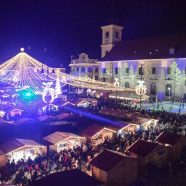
52	30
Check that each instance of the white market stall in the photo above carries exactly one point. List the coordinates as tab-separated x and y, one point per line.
22	149
63	140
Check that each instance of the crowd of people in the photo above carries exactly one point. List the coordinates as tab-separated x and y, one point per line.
24	173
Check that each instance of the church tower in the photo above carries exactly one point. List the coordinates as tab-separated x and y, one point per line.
111	34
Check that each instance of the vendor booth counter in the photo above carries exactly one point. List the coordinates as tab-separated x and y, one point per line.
18	149
63	140
97	134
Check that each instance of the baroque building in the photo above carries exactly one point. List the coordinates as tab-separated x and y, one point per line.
160	61
85	67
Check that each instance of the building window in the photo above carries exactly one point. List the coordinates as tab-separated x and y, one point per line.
96	77
171	51
104	70
107	35
140	70
116	70
96	69
82	69
127	85
169	70
153	89
104	79
116	35
106	52
168	90
127	70
89	69
77	69
154	70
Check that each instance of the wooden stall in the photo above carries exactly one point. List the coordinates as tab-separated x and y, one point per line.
174	143
112	168
17	149
97	133
63	140
148	153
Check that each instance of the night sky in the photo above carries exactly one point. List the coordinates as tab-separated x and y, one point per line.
52	30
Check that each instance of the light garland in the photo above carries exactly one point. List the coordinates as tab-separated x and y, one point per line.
48	90
141	88
23	70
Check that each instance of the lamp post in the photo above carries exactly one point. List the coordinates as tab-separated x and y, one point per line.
116	85
169	92
141	88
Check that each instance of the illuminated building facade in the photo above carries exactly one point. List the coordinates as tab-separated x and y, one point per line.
85	67
160	60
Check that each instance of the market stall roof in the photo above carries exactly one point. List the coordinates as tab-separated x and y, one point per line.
60	136
108	159
142	147
67	178
16	144
168	138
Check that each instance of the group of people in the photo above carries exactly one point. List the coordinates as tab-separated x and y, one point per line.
24	173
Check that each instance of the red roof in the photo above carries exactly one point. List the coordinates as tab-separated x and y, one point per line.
107	160
142	147
168	138
91	130
67	178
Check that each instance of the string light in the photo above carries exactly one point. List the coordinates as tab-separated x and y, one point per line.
24	71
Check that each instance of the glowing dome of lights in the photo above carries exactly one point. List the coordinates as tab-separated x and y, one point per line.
23	71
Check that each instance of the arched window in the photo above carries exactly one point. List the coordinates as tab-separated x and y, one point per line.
140	71
107	35
169	70
153	89
127	85
168	90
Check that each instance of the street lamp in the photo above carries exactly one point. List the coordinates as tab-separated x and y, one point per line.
141	90
116	85
169	92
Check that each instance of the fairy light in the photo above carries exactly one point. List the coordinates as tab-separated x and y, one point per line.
24	71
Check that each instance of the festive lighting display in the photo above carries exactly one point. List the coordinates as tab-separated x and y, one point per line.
48	92
24	71
141	88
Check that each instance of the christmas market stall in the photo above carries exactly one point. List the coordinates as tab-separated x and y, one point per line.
97	133
17	149
63	140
